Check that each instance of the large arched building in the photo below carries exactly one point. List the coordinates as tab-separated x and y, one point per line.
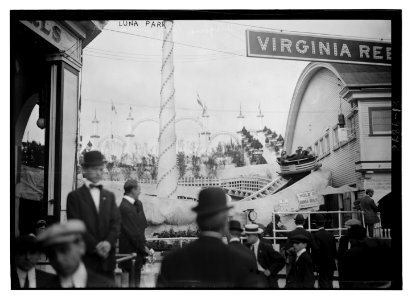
362	94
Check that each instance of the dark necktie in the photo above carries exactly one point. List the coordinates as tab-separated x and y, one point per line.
99	186
26	282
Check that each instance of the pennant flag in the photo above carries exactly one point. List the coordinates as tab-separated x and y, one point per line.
113	108
259	108
199	101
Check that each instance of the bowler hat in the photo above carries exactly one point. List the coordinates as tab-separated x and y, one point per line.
299	218
26	243
93	159
299	238
234	225
62	233
210	201
252	229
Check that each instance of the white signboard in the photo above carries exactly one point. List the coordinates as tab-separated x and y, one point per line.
308	199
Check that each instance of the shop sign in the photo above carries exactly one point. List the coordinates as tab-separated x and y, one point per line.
317	48
59	37
308	199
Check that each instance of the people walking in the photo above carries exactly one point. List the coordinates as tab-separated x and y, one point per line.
133	224
269	261
301	275
97	208
325	254
208	262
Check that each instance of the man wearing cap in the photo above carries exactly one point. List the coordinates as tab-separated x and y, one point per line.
269	261
208	262
97	208
133	225
301	275
64	245
23	272
234	238
325	254
299	230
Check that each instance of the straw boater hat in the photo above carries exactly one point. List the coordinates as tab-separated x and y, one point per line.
93	159
252	229
62	233
211	201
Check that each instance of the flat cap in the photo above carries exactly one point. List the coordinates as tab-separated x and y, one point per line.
62	233
299	238
352	222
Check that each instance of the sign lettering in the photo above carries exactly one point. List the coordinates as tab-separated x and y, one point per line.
308	199
317	48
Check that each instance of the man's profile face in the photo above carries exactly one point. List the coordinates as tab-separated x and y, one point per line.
65	258
94	174
27	260
298	246
135	193
252	238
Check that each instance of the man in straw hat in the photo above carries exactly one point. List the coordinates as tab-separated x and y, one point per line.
64	245
208	262
269	261
97	208
301	275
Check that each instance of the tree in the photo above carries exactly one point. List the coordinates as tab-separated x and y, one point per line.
110	166
181	164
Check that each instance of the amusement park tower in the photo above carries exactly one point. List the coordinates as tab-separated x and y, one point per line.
167	157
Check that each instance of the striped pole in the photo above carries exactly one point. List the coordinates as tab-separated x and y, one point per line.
167	158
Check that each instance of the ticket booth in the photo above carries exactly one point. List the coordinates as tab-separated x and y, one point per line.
46	61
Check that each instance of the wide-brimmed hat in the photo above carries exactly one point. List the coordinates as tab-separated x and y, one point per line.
252	229
93	159
210	201
235	225
299	238
62	233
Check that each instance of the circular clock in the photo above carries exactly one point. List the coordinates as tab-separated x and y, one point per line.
252	215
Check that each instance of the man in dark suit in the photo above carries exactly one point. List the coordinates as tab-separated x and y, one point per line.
23	271
269	261
133	225
325	254
234	238
370	209
97	208
301	275
299	230
64	245
208	262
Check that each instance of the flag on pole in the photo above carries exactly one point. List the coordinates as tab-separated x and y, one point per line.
259	108
199	101
113	108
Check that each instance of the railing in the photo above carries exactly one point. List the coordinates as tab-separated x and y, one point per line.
269	189
296	166
380	232
123	279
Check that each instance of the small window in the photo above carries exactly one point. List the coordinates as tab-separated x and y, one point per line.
321	144
327	143
380	120
316	149
352	124
336	141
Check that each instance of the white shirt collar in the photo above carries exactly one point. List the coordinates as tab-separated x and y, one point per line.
77	280
300	252
23	274
129	199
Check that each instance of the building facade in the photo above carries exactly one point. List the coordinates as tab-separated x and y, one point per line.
46	62
356	148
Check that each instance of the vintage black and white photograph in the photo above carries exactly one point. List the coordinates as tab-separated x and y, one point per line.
206	149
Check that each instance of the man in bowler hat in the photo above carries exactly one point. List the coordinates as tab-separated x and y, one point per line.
133	225
301	275
23	272
208	262
234	238
64	245
269	262
97	208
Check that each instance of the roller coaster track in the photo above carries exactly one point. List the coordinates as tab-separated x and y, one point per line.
269	189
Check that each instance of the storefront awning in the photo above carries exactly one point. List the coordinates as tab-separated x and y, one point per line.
329	190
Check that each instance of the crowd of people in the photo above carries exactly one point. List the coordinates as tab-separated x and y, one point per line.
299	154
82	250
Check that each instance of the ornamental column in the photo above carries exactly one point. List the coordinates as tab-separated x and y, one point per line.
167	158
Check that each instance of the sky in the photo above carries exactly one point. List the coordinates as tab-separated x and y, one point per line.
122	66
